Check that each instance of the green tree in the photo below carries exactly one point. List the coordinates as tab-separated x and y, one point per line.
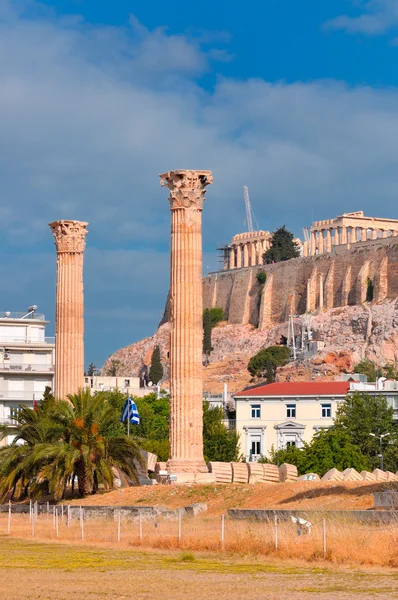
362	414
156	370
282	247
267	360
328	449
369	368
216	315
113	367
61	440
369	290
219	443
261	277
207	347
91	369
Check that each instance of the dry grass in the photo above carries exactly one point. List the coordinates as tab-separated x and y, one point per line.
347	542
305	495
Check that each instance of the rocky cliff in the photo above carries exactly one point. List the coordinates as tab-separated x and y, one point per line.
346	334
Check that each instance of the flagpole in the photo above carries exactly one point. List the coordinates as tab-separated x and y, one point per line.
128	417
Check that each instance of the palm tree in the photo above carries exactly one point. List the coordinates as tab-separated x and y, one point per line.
61	440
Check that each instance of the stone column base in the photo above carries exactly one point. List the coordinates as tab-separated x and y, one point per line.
186	466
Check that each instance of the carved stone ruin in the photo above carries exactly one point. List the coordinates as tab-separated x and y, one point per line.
70	240
187	194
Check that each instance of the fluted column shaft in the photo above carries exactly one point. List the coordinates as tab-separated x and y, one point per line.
69	318
328	240
186	310
321	242
232	258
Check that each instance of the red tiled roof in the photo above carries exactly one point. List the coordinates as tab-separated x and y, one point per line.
299	388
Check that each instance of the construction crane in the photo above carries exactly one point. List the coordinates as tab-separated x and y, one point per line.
249	220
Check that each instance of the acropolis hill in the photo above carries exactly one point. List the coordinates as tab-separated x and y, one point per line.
330	281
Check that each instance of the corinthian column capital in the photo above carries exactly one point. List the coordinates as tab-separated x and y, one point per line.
187	188
70	236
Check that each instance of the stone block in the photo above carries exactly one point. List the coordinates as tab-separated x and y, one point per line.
287	472
222	471
205	478
146	481
333	475
380	475
160	466
351	475
240	472
270	473
391	476
195	509
367	476
184	478
309	477
256	472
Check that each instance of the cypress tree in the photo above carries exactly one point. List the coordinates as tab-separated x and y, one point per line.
283	247
156	370
207	347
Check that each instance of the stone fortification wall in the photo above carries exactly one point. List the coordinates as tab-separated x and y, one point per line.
339	278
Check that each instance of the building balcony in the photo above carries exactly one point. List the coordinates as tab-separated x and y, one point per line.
12	316
25	368
22	339
20	396
8	421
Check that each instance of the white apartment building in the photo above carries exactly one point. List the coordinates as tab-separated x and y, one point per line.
127	385
288	414
26	361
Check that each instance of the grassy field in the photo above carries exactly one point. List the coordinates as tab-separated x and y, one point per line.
32	570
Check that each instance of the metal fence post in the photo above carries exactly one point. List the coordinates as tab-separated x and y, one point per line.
82	522
118	525
276	532
56	523
9	517
30	510
179	527
222	531
324	538
68	516
140	526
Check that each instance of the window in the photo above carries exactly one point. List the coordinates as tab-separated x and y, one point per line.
290	411
127	383
256	411
255	445
326	411
291	443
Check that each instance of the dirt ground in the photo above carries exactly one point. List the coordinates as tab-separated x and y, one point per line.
36	571
304	495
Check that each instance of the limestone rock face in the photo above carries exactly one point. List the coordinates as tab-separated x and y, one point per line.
349	334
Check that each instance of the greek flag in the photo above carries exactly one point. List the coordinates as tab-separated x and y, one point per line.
130	412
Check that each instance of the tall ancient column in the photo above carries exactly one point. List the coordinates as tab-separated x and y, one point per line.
232	258
187	193
245	254
70	241
353	236
328	240
238	256
321	242
364	234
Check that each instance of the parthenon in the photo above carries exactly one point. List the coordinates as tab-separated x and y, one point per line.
347	229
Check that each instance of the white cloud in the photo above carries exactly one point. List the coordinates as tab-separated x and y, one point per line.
90	115
377	17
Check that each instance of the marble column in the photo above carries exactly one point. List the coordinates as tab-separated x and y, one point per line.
246	254
364	234
344	235
187	193
321	242
232	257
384	233
313	243
328	240
374	234
238	256
70	240
353	235
253	254
336	236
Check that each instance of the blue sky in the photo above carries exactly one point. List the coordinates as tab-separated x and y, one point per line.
297	100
